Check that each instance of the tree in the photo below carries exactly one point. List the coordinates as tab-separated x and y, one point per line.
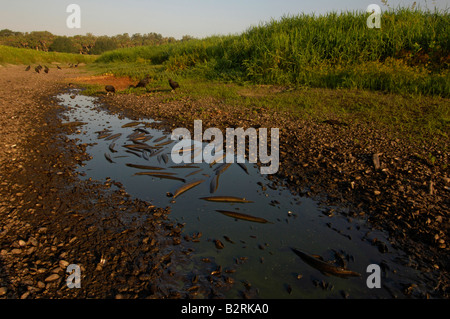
63	44
103	44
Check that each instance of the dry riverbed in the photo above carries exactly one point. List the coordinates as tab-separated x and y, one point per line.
50	219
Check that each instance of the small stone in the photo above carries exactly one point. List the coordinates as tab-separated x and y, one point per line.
52	278
377	193
3	291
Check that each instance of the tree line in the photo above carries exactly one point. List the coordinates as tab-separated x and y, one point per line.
82	44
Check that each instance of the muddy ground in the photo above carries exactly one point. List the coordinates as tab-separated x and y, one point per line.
50	219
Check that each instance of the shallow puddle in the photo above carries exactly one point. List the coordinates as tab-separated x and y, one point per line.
260	253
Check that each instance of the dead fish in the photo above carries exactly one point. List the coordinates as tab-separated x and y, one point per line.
164	143
156	153
145	155
111	148
222	168
219	244
187	187
165	158
131	124
244	216
193	173
113	136
102	136
74	124
108	157
134	153
184	166
243	167
214	184
159	139
324	267
140	129
227	199
136	146
155	168
228	239
165	176
154	173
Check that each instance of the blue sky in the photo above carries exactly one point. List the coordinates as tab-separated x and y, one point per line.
176	18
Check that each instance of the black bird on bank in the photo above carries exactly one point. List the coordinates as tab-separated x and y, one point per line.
174	85
59	68
37	69
110	89
46	69
143	83
28	68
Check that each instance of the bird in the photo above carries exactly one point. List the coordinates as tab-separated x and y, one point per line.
46	69
37	69
143	83
174	85
59	68
28	68
110	89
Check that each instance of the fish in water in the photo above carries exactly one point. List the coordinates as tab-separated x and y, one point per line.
193	173
214	184
226	199
246	217
131	124
165	158
243	167
108	157
325	267
155	168
113	136
159	139
164	143
111	148
168	177
186	187
222	168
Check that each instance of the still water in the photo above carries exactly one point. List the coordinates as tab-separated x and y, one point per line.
259	252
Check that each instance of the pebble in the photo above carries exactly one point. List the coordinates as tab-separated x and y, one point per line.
52	278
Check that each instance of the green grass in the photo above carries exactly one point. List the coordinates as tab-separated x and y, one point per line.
410	54
10	55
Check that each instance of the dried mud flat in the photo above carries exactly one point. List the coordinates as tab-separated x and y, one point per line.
130	249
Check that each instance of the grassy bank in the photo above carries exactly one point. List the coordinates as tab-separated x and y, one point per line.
409	54
10	55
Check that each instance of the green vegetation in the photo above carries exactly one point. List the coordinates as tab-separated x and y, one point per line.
410	54
9	55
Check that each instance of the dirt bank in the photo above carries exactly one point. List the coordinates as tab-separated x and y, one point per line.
49	219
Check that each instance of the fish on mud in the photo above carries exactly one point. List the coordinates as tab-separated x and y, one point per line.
113	136
134	153
324	267
246	217
102	136
108	157
145	155
155	168
226	199
131	124
186	187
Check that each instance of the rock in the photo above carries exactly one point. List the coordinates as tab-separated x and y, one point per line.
3	291
52	278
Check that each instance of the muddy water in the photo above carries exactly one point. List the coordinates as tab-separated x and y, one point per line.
260	253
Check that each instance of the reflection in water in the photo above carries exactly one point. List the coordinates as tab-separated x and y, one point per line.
249	222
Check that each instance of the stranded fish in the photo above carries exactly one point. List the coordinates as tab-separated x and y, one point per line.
108	157
243	216
226	199
144	167
113	136
111	147
187	187
154	173
325	267
131	124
